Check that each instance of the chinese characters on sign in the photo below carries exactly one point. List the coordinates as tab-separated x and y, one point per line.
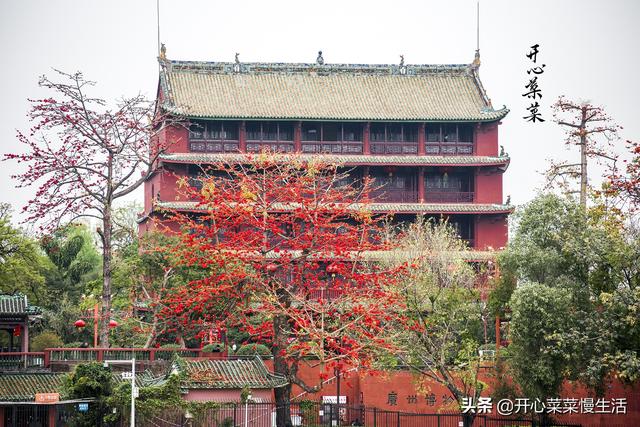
585	405
534	92
429	399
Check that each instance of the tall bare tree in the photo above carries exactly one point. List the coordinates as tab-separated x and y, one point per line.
592	130
83	157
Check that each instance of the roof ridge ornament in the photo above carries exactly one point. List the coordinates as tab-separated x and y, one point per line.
320	59
236	65
403	68
163	52
476	60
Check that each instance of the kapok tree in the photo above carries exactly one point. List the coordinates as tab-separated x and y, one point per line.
83	157
287	244
626	183
591	129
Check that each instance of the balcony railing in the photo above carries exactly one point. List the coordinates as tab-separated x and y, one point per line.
449	196
394	148
271	146
18	360
346	147
449	149
44	359
200	146
393	196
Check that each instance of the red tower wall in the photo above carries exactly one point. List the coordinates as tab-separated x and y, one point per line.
491	232
487	139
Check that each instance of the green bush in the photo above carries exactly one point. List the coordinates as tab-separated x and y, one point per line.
171	346
47	339
75	344
213	348
254	349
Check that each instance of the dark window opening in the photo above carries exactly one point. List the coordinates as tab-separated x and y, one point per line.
332	132
449	133
269	131
394	132
214	131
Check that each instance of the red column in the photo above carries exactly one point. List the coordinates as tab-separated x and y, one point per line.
421	189
25	336
96	320
297	137
242	137
365	138
421	151
53	409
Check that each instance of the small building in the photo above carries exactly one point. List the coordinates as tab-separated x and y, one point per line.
16	314
223	380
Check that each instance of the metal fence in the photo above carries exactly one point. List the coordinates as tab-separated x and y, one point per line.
317	414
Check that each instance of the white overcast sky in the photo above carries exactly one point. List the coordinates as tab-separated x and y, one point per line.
590	49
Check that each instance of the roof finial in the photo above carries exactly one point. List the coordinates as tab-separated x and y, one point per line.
236	66
403	68
320	59
163	52
476	60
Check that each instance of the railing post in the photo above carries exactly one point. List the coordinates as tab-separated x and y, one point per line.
152	355
398	425
100	355
47	357
235	414
375	417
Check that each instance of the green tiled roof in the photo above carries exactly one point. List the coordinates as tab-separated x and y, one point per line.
17	304
427	208
24	386
342	159
230	374
325	92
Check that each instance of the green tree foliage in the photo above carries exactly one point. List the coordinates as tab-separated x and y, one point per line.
46	339
91	380
540	350
577	281
254	349
23	267
73	252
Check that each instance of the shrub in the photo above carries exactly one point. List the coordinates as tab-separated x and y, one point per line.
47	339
254	349
213	348
171	346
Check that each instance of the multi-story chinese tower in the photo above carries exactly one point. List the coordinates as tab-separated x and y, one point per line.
428	134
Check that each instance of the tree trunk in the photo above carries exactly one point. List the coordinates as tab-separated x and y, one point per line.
281	367
106	278
467	419
583	161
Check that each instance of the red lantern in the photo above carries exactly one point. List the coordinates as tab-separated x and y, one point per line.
80	323
271	267
16	331
332	268
113	323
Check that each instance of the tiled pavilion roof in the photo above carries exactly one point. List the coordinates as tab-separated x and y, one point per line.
17	305
20	387
351	159
225	374
286	91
